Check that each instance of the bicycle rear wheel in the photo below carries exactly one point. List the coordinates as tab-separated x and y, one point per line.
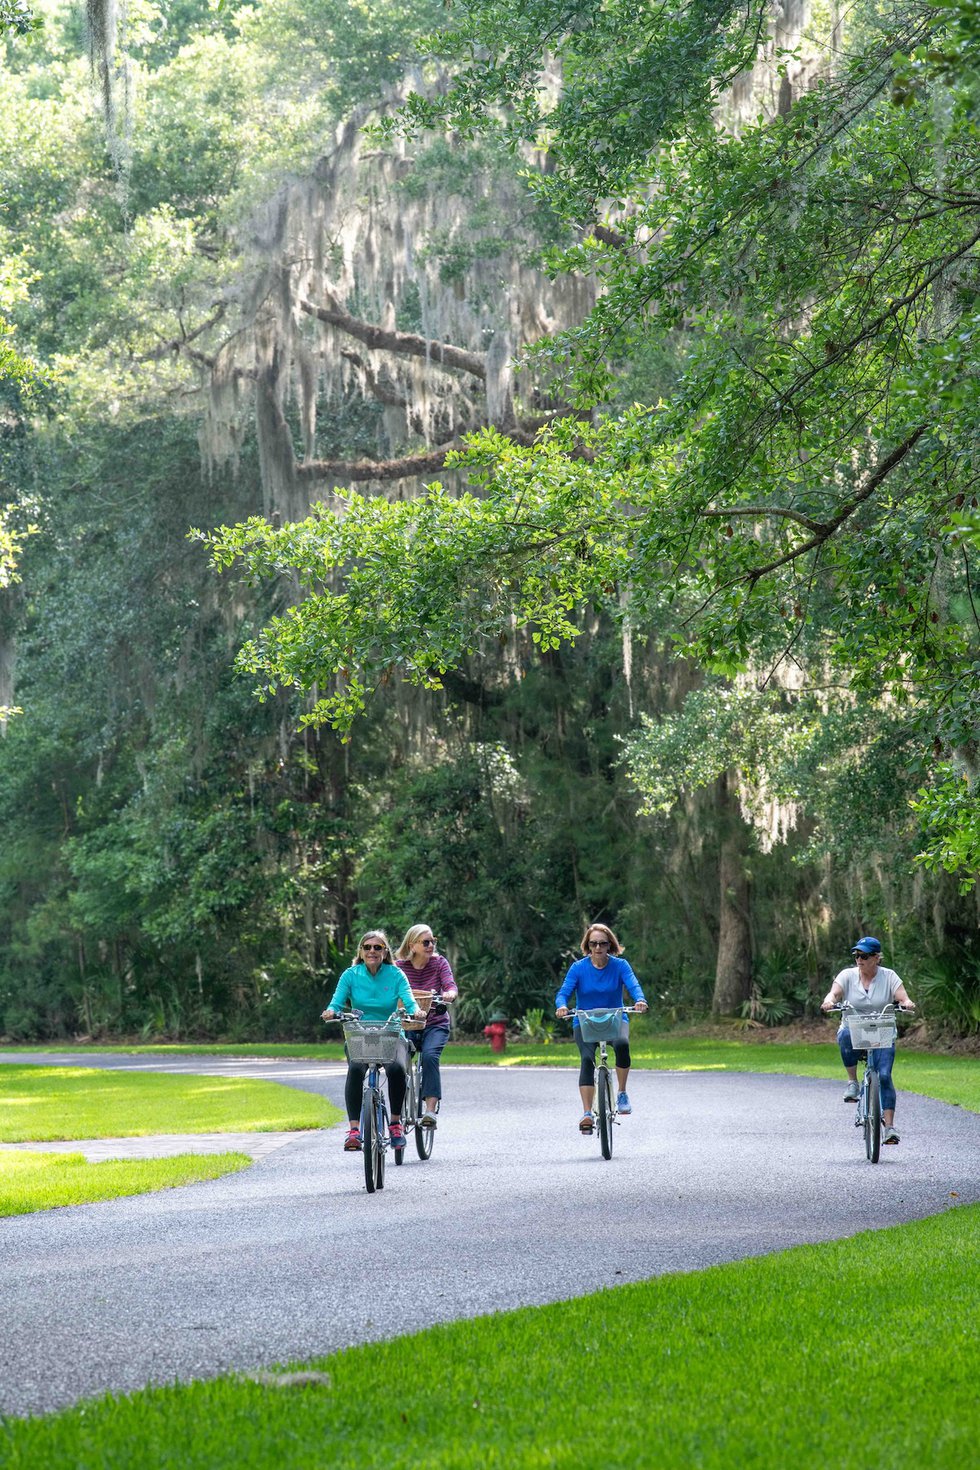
605	1109
369	1140
872	1119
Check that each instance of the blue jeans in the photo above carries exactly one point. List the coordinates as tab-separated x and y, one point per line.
884	1060
430	1043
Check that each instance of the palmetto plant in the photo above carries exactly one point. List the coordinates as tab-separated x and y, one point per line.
947	986
534	1026
779	990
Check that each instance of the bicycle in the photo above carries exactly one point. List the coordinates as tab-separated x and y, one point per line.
870	1030
603	1026
374	1043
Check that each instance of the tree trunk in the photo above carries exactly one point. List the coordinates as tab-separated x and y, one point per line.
733	973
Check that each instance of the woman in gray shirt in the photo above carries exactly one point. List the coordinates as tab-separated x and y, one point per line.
868	986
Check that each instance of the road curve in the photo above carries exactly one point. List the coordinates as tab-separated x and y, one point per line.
294	1259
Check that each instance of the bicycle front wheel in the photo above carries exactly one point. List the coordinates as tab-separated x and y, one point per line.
872	1119
380	1139
424	1139
605	1101
369	1140
413	1105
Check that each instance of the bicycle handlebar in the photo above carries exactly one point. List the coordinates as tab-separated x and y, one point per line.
604	1010
890	1010
358	1016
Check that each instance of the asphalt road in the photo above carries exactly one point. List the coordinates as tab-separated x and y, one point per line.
294	1259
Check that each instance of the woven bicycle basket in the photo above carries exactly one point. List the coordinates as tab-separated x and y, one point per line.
372	1044
602	1026
867	1034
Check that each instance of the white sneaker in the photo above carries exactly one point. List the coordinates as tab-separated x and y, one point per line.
889	1136
853	1092
428	1120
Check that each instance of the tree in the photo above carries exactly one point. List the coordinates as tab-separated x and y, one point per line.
789	510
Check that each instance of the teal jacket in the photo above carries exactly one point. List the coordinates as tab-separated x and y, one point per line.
375	996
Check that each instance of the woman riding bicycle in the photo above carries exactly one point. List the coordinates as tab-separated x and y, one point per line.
868	986
428	973
598	981
373	985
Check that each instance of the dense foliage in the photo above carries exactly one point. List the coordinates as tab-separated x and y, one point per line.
680	662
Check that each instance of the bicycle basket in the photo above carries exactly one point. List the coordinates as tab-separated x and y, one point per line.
376	1045
866	1033
602	1025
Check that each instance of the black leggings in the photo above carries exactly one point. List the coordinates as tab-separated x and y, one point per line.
586	1074
357	1071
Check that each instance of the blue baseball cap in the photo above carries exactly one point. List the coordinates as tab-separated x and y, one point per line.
867	945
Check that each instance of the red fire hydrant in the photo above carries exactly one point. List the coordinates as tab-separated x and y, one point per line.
496	1030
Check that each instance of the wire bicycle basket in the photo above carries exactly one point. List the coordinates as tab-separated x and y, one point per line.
375	1044
601	1025
871	1032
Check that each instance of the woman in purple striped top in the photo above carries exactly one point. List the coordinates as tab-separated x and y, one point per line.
428	973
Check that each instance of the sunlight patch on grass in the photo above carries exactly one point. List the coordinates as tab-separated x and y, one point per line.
31	1181
44	1104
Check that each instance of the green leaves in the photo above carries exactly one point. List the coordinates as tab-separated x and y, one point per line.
949	812
18	17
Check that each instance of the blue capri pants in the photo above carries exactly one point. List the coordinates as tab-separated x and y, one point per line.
430	1043
884	1060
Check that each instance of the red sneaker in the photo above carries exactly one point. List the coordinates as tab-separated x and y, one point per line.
397	1135
352	1143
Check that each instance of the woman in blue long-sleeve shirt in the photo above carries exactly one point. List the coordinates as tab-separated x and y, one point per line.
598	981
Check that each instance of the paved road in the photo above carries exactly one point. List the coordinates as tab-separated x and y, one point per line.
294	1259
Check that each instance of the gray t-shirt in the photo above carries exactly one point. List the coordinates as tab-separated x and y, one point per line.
881	991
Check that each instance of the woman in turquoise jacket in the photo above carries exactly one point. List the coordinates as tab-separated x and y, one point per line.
373	985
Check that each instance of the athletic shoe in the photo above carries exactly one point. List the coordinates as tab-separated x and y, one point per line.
585	1123
623	1104
428	1120
352	1143
853	1092
889	1136
397	1135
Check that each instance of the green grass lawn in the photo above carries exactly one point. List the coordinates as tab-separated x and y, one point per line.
41	1104
42	1181
822	1356
859	1352
953	1079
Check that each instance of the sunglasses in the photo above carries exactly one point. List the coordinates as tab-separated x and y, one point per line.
427	943
598	943
860	955
379	947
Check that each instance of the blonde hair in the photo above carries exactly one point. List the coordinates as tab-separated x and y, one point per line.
376	934
412	937
614	945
